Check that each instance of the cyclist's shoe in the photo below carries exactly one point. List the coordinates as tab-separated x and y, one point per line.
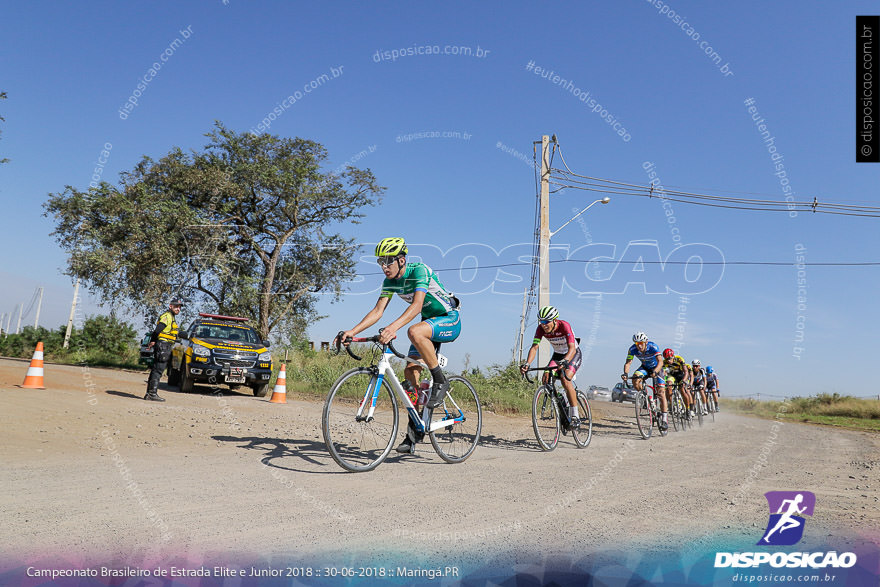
438	394
663	426
575	423
407	447
705	412
691	414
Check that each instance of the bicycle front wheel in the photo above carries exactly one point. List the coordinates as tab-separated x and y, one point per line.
643	415
359	443
584	433
545	419
675	411
461	407
698	407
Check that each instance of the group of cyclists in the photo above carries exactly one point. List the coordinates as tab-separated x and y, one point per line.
440	322
667	370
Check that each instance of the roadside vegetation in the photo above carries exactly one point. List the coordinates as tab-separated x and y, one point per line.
830	409
102	341
105	341
311	373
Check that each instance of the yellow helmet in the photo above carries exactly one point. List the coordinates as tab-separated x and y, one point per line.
391	247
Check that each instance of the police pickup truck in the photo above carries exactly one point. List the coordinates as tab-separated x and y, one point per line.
220	349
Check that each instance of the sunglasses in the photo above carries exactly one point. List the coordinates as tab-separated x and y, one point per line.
544	321
386	261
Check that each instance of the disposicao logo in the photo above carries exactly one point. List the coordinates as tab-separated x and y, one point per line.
784	528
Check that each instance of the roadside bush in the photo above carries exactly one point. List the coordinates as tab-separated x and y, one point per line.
102	340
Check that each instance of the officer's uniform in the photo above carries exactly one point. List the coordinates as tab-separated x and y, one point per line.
163	336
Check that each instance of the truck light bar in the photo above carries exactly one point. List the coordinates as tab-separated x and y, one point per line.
219	317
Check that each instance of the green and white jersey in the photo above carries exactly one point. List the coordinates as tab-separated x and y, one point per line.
420	277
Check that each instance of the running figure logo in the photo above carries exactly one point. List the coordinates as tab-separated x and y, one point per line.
786	526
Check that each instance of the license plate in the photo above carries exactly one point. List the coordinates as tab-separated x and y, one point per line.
236	375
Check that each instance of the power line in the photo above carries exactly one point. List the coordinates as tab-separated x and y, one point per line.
569	179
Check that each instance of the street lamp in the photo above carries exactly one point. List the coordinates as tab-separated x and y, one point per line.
544	259
604	200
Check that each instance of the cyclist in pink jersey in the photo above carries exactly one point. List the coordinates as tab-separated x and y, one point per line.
566	354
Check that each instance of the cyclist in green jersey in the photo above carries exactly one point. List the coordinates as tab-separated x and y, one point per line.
417	284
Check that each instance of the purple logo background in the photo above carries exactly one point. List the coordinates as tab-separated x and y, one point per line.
775	499
786	524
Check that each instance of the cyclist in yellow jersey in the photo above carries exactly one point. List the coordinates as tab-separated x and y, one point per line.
678	370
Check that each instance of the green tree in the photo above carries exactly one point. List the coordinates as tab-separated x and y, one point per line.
244	227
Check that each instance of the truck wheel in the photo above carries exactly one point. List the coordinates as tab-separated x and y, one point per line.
173	375
186	382
261	389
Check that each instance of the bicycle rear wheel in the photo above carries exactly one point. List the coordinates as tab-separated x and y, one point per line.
644	418
455	442
358	444
584	433
545	419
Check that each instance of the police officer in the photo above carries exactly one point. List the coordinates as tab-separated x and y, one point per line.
163	337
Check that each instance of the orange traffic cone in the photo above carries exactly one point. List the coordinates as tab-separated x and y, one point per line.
34	377
279	394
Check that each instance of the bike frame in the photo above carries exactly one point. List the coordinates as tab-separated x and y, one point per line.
383	370
556	395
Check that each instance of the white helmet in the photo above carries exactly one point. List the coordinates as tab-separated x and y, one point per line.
548	313
640	337
696	362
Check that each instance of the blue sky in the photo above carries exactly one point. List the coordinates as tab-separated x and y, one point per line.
69	69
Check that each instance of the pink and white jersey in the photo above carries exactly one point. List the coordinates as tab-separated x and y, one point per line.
558	338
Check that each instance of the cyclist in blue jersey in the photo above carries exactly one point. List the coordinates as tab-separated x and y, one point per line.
712	386
417	284
651	366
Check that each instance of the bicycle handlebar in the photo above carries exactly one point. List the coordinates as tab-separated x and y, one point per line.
374	339
555	368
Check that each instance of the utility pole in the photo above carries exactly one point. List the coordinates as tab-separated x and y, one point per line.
517	349
544	243
39	303
2	316
8	322
72	310
18	326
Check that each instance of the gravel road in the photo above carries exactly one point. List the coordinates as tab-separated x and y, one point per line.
90	471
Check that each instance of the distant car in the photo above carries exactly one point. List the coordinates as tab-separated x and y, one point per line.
598	392
622	393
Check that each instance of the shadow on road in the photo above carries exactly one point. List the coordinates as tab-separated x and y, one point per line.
280	453
528	445
123	394
315	453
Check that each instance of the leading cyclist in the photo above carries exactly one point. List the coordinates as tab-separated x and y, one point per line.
652	365
566	355
417	284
